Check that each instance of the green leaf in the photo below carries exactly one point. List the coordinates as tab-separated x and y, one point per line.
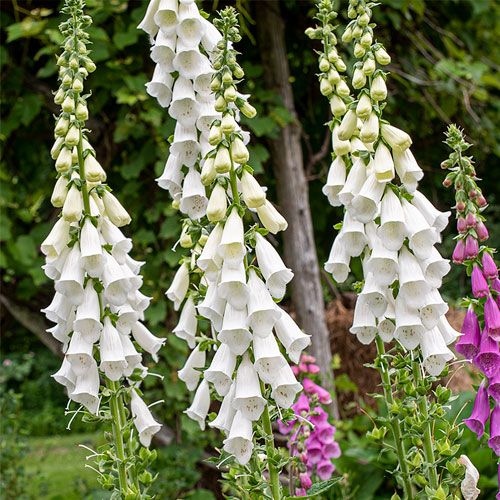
122	40
27	28
318	488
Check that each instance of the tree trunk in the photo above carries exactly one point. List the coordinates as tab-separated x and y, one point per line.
293	193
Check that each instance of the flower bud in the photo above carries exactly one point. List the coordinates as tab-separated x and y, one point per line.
482	231
481	201
239	152
325	87
217	204
357	31
67	80
340	65
62	126
347	126
73	63
366	40
220	104
227	77
251	191
222	161
64	160
238	71
90	66
215	135
447	183
342	89
333	55
460	206
247	109
73	205
340	148
59	193
382	56
347	35
114	210
461	225
59	97
271	219
333	76
230	94
208	171
370	129
472	194
56	148
364	107
77	85
369	66
358	79
359	51
215	85
93	170
228	124
378	89
73	136
185	241
470	220
176	204
364	19
81	47
81	112
337	105
396	138
324	65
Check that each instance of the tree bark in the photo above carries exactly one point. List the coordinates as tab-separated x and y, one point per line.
293	193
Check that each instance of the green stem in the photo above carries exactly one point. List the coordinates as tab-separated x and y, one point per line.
234	183
273	472
116	403
428	445
394	421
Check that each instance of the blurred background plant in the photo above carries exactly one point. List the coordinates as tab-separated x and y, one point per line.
446	71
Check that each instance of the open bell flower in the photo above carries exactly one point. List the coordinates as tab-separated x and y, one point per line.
409	328
234	331
354	182
268	359
284	388
494	441
86	389
364	325
435	354
480	286
220	371
212	307
352	235
91	249
144	422
189	373
335	181
383	164
233	285
226	414
79	353
248	398
65	376
480	412
146	339
365	205
271	219
56	241
468	343
488	358
232	246
421	235
113	361
193	200
239	443
200	405
338	261
179	287
294	340
187	326
73	205
210	260
396	138
251	191
88	316
407	169
492	318
71	280
392	229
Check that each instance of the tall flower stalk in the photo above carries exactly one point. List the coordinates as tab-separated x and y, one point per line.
392	228
97	308
480	338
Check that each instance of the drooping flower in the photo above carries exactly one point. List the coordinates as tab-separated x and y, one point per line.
480	413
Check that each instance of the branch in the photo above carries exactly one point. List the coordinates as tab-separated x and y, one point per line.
317	157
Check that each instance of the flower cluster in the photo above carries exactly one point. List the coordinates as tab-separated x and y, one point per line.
311	436
391	226
98	307
481	326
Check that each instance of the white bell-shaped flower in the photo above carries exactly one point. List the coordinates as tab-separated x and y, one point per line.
226	413
262	311
73	205
220	372
433	307
187	326
88	315
61	332
409	328
185	145
421	236
217	204
373	294
271	219
57	239
134	265
148	24
114	210
354	182
435	268
352	235
340	147
276	274
144	422
207	113
79	353
163	51
212	307
200	405
268	358
365	205
91	249
193	200
132	356
239	442
232	244
121	245
172	176
65	376
449	334
383	263
165	16
293	339
211	36
70	283
189	61
189	373
338	261
86	390
386	323
179	287
160	86
335	181
190	28
252	192
383	164
284	388
234	331
113	362
407	169
392	229
116	281
248	398
397	139
435	354
59	309
209	260
184	107
139	302
147	340
233	286
435	218
412	284
364	325
201	85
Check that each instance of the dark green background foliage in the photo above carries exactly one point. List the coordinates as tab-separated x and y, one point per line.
445	64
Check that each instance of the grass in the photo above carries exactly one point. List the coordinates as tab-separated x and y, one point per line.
56	467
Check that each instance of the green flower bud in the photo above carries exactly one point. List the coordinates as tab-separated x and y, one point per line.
337	106
378	89
347	35
220	104
62	126
364	19
208	171
359	50
358	79
324	65
333	55
59	97
82	113
67	80
239	152
228	124
342	89
369	66
73	136
347	126
247	109
64	160
215	85
366	40
77	85
340	65
73	63
68	104
238	71
90	66
81	48
217	204
325	87
227	77
333	77
230	94
222	161
215	135
382	56
357	31
364	107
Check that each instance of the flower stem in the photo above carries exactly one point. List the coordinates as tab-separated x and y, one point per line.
115	403
394	422
273	472
81	168
234	184
428	446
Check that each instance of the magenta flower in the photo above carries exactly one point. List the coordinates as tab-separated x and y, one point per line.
494	441
295	370
324	432
307	358
314	369
471	247
495	285
468	343
314	450
325	469
285	427
470	220
488	359
494	387
490	269
311	388
331	450
459	253
305	480
480	412
479	284
482	231
461	225
492	318
303	368
300	492
318	416
301	405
